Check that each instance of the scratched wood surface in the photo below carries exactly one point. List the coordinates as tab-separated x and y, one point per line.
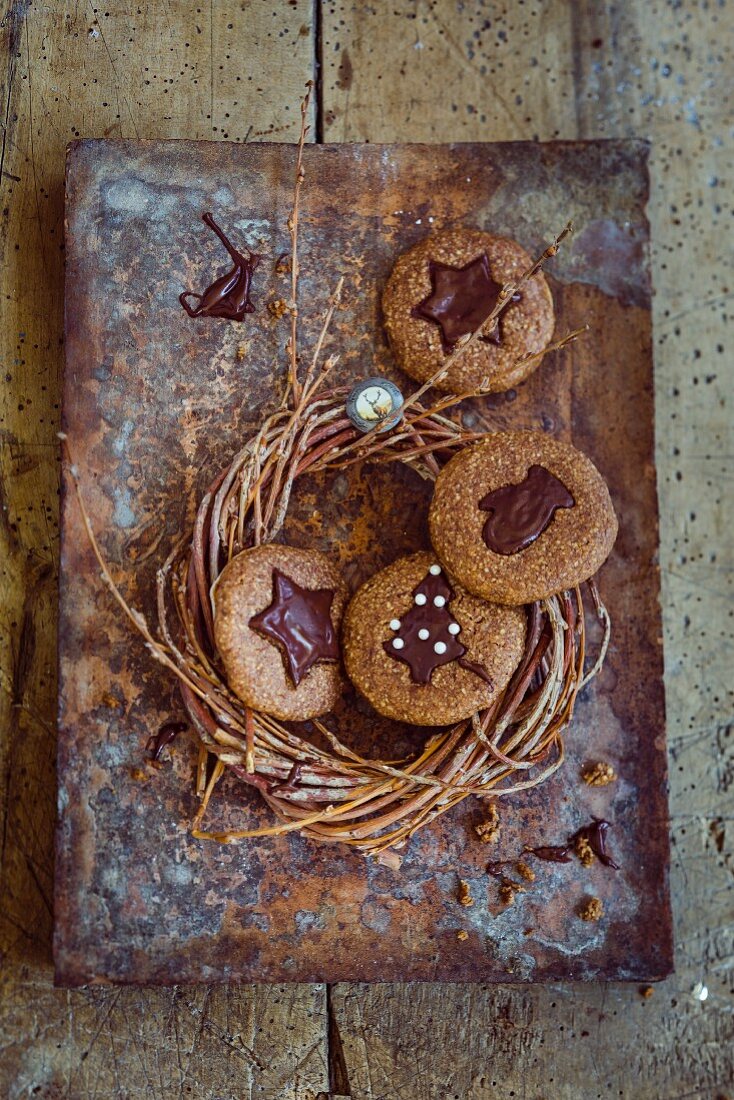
418	70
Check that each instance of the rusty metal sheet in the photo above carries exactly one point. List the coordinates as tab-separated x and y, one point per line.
155	403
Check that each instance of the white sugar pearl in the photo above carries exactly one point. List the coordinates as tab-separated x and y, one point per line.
395	624
435	570
439	647
454	628
397	643
421	599
424	634
439	601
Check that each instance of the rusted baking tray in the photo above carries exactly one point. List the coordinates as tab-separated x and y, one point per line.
156	403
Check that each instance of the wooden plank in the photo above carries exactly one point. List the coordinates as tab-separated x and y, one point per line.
126	69
626	85
440	71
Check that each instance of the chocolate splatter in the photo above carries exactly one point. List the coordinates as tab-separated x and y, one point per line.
299	621
229	295
291	781
520	513
158	741
596	835
552	853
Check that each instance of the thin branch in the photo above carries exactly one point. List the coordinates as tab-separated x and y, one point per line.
294	386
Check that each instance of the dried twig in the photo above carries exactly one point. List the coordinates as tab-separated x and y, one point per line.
293	384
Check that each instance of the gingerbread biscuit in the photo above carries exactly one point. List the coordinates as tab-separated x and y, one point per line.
521	516
422	650
439	292
277	614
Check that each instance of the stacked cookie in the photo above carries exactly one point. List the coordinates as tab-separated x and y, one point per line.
516	518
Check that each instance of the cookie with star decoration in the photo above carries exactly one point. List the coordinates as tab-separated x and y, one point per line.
443	288
277	614
422	650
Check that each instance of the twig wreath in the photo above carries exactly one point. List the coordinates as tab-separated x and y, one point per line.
332	793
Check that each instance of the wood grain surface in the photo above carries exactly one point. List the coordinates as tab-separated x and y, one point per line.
407	70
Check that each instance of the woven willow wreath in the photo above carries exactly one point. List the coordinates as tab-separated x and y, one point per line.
334	794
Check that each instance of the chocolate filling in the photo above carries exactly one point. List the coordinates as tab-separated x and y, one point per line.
299	621
520	513
424	640
461	299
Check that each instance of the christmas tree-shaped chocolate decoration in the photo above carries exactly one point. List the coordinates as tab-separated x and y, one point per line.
428	635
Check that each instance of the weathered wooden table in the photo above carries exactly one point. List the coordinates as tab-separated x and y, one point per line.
417	70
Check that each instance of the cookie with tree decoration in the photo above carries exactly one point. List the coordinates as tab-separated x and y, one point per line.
422	650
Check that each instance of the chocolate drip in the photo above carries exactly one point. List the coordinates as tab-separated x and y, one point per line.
299	621
556	853
494	867
461	299
229	295
520	513
477	669
596	835
158	741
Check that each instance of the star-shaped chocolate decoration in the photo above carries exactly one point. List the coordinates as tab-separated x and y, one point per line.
460	299
299	622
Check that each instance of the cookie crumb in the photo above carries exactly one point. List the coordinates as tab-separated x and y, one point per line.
598	774
278	307
462	934
282	264
489	830
646	991
389	858
584	850
507	893
524	871
241	352
591	910
464	896
139	775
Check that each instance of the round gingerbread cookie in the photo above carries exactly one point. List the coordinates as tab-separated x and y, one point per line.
277	614
439	292
422	650
521	516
